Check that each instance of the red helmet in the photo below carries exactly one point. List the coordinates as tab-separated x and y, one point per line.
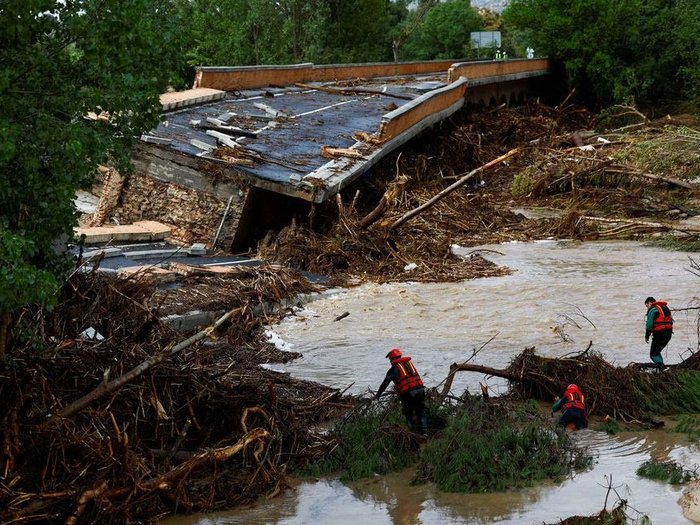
572	387
394	353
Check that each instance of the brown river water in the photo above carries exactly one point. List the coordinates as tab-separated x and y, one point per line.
560	296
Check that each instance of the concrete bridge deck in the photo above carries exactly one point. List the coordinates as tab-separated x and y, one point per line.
242	126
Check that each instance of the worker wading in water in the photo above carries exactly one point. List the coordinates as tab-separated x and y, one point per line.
660	324
409	387
573	406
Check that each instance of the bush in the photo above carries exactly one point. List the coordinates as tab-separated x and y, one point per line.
490	447
668	471
522	184
370	442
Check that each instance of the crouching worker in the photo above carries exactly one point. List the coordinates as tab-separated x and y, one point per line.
573	407
409	387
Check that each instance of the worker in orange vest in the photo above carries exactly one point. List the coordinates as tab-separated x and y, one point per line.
660	324
573	407
408	385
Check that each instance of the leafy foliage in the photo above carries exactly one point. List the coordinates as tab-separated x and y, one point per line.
247	32
445	32
59	63
368	444
668	471
616	51
487	447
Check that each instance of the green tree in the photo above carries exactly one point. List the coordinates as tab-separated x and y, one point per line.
61	62
248	32
236	32
358	31
445	31
616	51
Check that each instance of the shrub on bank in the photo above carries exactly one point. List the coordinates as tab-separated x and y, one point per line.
489	447
370	441
485	446
668	471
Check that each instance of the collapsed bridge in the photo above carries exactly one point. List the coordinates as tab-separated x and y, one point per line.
238	153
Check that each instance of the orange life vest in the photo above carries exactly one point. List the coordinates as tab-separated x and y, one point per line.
663	321
408	377
574	399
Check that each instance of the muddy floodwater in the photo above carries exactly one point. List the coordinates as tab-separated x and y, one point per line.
560	296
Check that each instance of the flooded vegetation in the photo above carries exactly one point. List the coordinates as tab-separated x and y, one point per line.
553	287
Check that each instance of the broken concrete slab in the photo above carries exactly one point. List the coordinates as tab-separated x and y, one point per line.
189	98
138	231
105	253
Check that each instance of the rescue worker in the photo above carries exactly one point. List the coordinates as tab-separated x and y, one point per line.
409	387
660	324
573	406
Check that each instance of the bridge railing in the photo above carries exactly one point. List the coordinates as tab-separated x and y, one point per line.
496	68
236	78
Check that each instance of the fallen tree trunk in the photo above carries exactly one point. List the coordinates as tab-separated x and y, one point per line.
461	182
628	393
466	367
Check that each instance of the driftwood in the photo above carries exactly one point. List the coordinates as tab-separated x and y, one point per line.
162	482
461	182
466	367
396	187
375	214
623	170
331	152
626	225
108	387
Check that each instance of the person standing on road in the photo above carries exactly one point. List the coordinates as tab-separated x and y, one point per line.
660	326
573	406
409	387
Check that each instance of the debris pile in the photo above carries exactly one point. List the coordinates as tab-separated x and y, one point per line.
602	184
137	424
631	394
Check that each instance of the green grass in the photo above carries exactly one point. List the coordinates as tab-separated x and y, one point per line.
690	425
611	426
671	242
680	398
482	447
668	471
490	447
367	445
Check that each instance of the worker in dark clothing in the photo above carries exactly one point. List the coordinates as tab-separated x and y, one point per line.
573	406
409	387
660	324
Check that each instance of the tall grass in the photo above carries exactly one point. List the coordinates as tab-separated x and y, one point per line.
678	244
484	446
690	425
682	395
